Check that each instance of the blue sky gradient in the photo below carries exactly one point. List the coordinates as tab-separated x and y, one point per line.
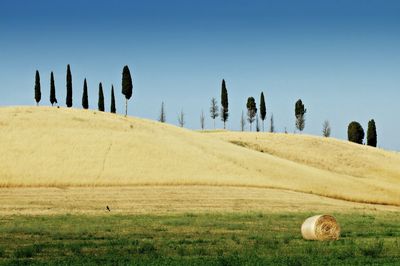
342	58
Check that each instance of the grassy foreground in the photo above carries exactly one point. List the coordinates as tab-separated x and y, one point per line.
195	239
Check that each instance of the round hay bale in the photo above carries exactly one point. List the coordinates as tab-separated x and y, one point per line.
320	227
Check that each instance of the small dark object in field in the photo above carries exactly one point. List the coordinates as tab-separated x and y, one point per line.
58	107
108	209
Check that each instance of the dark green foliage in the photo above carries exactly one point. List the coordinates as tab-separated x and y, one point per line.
257	124
112	109
300	112
251	110
162	117
127	86
38	94
214	109
202	120
355	132
371	134
101	98
85	97
224	103
69	87
53	98
263	109
272	126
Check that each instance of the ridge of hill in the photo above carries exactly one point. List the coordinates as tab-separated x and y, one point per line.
51	147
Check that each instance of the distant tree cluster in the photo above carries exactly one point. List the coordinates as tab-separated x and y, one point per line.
126	91
355	133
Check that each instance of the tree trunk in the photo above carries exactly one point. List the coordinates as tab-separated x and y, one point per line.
126	107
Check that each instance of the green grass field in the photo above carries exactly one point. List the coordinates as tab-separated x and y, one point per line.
195	239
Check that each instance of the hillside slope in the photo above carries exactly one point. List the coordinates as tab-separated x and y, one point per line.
68	147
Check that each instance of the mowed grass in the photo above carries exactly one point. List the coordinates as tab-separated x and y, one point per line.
195	239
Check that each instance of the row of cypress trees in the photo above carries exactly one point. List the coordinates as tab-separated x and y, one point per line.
127	87
355	131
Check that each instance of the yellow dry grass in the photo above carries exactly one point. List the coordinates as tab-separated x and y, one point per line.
171	199
49	147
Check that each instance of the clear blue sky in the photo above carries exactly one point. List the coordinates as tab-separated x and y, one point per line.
342	58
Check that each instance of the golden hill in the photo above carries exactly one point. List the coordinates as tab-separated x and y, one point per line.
50	147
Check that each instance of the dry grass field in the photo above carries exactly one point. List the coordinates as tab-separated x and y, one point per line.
180	197
66	148
161	200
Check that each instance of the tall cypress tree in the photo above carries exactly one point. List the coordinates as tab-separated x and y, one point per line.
85	98
371	133
263	109
101	98
251	110
126	86
300	112
53	98
112	109
162	118
271	124
38	94
69	87
224	103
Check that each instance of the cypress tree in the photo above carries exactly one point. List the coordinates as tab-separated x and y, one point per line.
112	109
202	120
251	110
355	132
69	87
371	134
263	109
53	98
224	103
271	126
126	86
38	94
85	98
101	98
300	112
162	117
